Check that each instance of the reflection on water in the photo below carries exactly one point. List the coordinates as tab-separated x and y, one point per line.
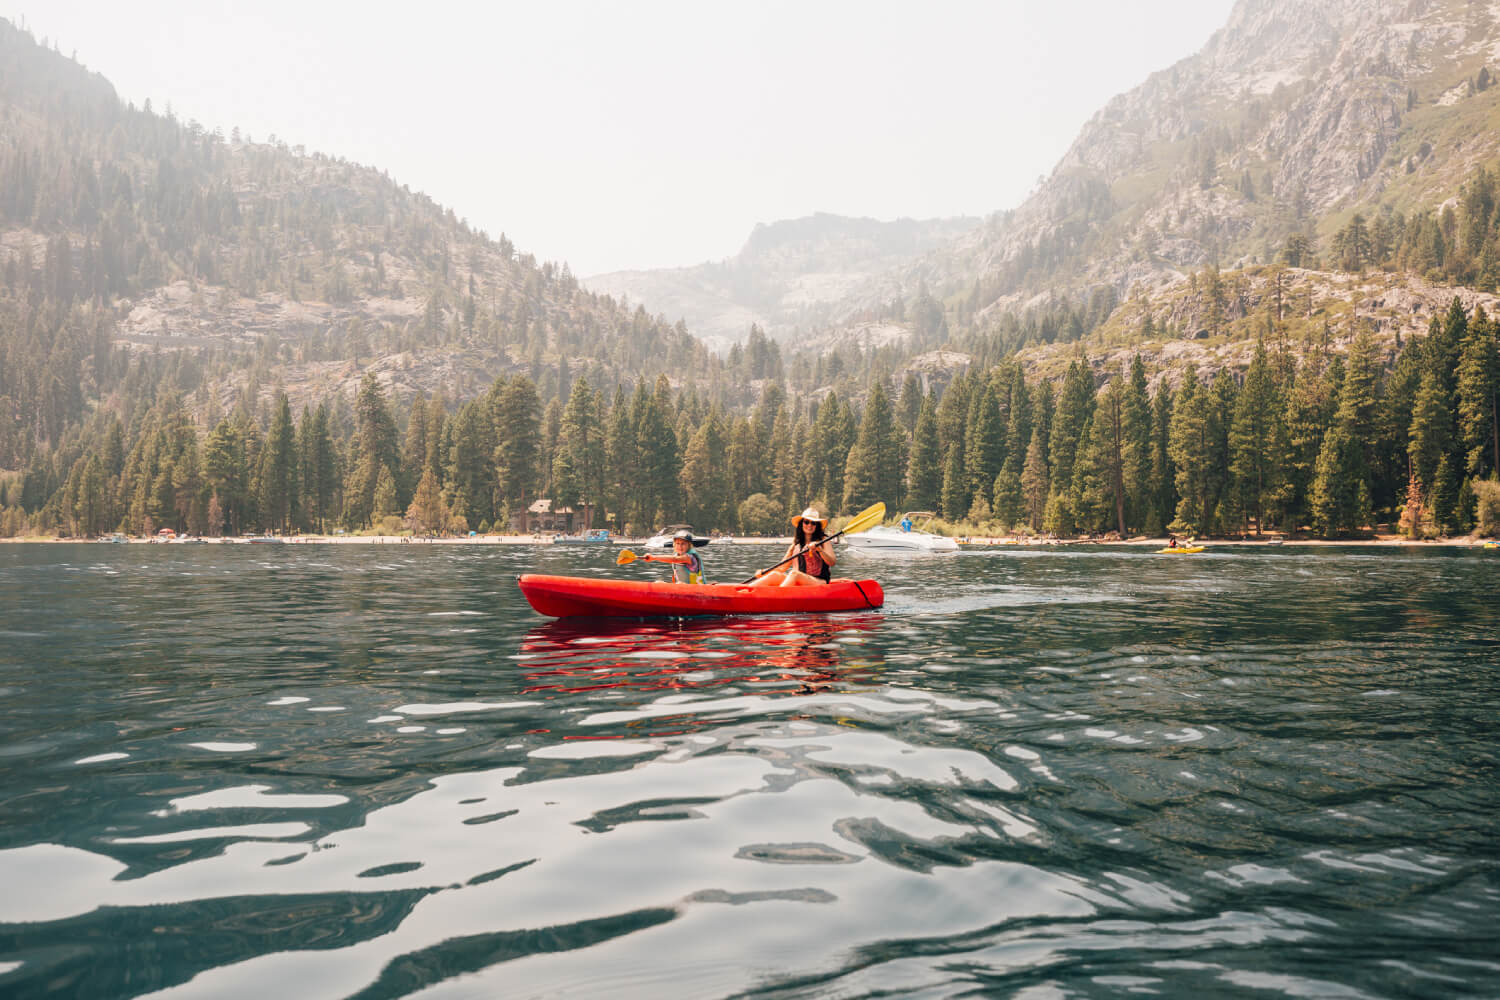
329	771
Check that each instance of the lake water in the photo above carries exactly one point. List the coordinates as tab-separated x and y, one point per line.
311	770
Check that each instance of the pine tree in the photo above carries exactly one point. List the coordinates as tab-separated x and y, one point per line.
1415	516
954	497
383	503
1445	496
953	418
1088	497
1309	410
1008	502
1478	392
1136	431
224	470
835	432
705	477
427	513
470	470
744	455
658	457
581	452
320	468
278	469
1034	484
1340	497
414	452
1191	448
984	443
1252	438
620	457
518	453
873	469
1429	435
924	477
1112	447
1074	406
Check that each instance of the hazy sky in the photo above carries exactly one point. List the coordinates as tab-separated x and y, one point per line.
648	134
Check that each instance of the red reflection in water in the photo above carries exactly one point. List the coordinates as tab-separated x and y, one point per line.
778	655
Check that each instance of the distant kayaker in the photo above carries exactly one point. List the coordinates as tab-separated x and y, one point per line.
815	556
684	555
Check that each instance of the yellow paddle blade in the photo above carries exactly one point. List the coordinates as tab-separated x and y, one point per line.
625	558
865	519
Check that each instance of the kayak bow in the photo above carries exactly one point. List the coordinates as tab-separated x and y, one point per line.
581	597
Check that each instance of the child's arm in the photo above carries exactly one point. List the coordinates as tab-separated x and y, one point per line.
678	560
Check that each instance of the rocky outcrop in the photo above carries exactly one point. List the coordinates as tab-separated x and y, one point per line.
1292	112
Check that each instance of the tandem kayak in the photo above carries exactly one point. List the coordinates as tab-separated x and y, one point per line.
1181	550
582	597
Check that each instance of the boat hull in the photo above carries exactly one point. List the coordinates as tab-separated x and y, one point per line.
580	597
1181	550
892	540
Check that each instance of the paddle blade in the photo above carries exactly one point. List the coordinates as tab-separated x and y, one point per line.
865	519
625	558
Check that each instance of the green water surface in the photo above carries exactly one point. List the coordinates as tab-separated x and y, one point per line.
313	770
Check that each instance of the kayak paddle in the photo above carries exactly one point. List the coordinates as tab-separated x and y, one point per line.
626	557
863	521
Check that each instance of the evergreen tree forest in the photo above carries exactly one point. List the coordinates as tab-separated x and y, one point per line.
1331	444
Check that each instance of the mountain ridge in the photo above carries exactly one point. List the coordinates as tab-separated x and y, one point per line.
786	276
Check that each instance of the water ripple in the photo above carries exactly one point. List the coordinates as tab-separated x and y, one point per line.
1035	773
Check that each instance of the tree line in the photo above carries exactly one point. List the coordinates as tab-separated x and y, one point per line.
1331	443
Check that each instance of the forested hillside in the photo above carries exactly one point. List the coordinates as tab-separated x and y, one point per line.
139	251
215	334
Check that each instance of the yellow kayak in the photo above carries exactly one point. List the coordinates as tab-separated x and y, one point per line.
1181	550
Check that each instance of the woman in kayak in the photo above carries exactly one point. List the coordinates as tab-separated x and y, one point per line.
814	554
682	555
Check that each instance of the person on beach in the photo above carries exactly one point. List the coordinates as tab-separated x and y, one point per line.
683	555
814	555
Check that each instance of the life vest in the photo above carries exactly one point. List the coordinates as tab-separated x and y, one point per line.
694	569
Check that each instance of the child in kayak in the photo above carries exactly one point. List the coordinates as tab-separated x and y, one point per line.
684	555
815	558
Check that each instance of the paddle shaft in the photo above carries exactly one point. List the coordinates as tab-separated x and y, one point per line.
792	557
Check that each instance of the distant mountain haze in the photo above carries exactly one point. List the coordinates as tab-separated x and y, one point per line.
789	275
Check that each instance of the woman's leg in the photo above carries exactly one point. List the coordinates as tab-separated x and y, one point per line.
797	578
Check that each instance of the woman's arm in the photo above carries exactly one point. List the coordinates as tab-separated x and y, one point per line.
826	550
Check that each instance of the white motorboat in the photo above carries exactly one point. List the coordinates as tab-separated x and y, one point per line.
663	539
904	537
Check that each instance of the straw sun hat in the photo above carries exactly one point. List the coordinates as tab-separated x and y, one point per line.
810	514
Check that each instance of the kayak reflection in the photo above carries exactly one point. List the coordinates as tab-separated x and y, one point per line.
771	655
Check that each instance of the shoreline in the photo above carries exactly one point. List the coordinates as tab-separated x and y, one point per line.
1000	541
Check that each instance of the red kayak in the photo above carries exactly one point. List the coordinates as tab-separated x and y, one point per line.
582	597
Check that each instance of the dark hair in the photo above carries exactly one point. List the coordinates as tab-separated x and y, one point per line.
818	533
